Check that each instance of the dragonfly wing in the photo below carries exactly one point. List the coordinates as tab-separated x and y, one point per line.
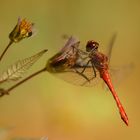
109	48
74	76
69	49
72	41
121	73
83	72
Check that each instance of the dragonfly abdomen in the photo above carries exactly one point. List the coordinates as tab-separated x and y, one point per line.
106	77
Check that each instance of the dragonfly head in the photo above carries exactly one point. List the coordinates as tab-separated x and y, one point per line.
92	46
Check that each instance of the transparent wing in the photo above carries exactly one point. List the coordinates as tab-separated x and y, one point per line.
69	49
110	47
118	74
75	77
70	43
72	77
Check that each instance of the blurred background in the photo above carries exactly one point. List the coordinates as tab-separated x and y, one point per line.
49	106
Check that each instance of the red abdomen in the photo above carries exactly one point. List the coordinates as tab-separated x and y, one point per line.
106	77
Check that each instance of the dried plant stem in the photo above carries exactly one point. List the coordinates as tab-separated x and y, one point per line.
7	47
26	79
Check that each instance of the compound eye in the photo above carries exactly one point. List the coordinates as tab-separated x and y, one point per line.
91	45
95	44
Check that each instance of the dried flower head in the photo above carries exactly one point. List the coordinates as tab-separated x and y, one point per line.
22	30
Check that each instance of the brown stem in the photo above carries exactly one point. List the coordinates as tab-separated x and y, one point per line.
10	43
24	80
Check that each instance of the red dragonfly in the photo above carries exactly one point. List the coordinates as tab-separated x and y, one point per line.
86	65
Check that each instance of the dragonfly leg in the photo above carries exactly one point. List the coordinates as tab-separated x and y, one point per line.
94	70
93	67
81	74
85	67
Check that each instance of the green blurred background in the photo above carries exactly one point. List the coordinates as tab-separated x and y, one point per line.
48	106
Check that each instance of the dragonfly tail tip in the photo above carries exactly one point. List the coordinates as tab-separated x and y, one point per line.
125	120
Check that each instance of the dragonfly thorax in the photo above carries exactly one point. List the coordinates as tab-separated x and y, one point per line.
99	60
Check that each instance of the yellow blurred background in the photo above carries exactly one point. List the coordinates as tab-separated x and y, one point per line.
48	106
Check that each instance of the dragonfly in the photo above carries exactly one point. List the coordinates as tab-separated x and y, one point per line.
86	65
